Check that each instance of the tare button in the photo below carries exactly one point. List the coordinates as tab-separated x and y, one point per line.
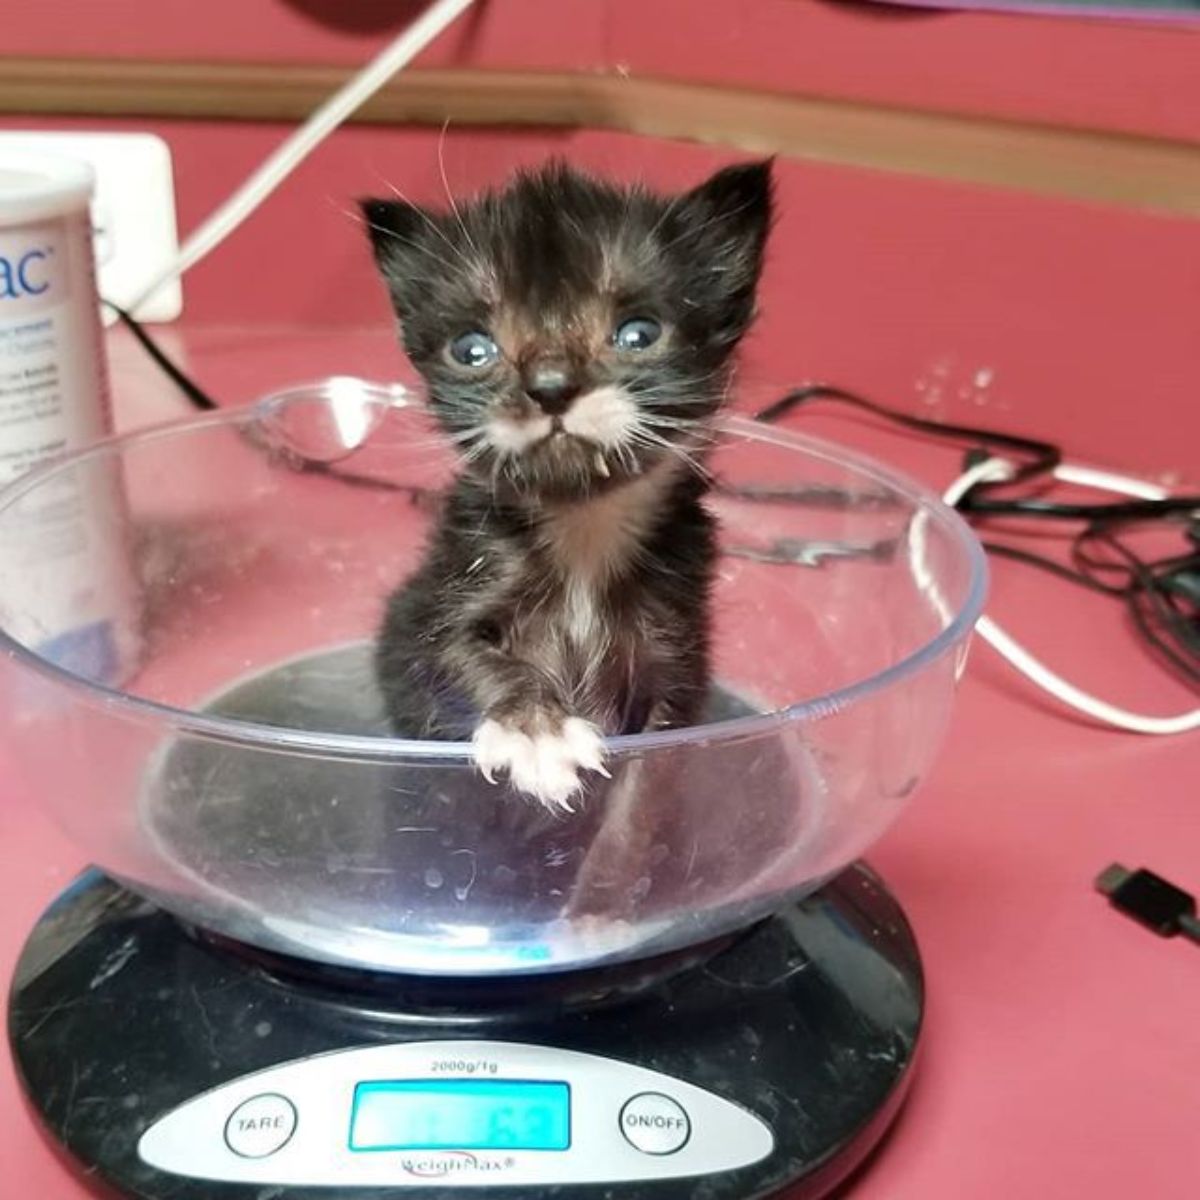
655	1124
261	1126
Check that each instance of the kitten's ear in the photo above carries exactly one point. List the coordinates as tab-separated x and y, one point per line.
727	218
396	229
720	229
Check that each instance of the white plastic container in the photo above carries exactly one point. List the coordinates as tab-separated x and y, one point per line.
65	555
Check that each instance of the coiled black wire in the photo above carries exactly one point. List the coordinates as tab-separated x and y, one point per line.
1162	596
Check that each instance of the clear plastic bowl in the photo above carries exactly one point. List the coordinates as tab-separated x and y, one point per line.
185	669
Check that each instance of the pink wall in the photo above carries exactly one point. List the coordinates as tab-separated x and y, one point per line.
1074	317
1122	76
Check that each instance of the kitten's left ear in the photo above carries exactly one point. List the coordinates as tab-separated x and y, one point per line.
727	219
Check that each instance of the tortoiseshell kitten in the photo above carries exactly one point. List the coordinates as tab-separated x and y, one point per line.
576	339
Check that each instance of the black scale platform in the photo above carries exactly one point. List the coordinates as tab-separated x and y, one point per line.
810	1020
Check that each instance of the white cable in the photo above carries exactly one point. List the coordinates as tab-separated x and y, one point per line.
295	148
925	576
1107	481
991	470
996	469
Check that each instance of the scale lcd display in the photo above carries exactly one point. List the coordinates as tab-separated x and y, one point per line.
461	1114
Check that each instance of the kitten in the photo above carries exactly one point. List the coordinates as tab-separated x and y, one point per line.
576	339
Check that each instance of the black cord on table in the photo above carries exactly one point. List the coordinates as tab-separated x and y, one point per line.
1039	458
192	390
1162	597
1143	591
1050	565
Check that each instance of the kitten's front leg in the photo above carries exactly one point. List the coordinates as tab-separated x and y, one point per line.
527	731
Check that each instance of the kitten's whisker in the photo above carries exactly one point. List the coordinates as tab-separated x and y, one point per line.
421	248
434	226
662	421
666	399
467	435
659	427
687	376
437	442
626	457
715	219
441	156
646	436
355	214
473	444
499	467
668	211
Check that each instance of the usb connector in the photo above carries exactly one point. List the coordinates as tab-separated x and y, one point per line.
1150	900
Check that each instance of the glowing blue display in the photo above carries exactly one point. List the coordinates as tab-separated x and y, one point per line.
461	1114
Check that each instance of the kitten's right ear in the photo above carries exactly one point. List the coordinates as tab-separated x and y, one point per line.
393	226
397	231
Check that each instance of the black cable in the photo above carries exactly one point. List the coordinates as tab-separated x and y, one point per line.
1144	591
1043	456
1120	510
1132	595
194	392
1157	594
1050	565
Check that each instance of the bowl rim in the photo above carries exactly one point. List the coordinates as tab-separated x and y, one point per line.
360	747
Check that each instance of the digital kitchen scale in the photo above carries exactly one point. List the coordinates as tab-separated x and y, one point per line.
169	1065
326	962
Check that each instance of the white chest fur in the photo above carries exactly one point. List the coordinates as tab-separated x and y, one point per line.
594	542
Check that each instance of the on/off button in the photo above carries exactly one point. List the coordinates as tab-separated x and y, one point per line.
655	1124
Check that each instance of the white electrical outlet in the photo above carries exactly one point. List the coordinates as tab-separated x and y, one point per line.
133	211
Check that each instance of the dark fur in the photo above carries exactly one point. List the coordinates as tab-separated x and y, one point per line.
456	645
550	265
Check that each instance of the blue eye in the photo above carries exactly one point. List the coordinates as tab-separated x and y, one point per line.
640	333
474	349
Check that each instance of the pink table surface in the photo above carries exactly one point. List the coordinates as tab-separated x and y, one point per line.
1062	1050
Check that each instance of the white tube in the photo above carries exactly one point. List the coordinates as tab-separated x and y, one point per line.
1027	663
295	148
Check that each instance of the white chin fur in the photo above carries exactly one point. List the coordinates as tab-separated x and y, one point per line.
515	436
604	416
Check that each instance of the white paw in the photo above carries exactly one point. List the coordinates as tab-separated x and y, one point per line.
546	765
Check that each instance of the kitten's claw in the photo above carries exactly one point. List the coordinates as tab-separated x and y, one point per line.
544	765
584	741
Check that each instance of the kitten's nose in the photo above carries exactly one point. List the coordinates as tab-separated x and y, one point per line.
552	387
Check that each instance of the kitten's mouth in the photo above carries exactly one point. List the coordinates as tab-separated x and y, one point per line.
587	446
560	451
561	437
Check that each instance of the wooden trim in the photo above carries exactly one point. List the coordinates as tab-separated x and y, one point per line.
1142	173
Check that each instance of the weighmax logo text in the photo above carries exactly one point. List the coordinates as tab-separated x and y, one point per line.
452	1162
